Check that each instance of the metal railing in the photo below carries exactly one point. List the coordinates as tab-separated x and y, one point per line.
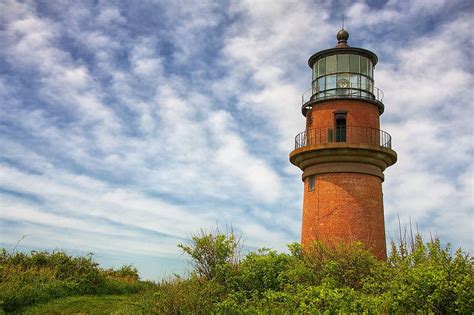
353	91
347	134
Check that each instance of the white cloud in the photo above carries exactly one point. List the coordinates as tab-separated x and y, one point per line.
110	127
428	105
181	135
110	15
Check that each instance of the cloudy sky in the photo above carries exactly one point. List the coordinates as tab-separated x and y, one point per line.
126	126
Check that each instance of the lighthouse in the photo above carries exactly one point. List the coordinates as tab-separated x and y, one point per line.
342	151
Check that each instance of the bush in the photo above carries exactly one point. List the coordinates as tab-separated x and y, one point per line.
336	279
35	277
418	277
428	277
126	273
212	253
191	296
260	271
342	265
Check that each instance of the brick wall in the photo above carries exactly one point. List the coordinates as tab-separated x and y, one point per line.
359	113
345	207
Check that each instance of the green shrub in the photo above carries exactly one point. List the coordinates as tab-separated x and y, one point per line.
260	271
191	296
428	277
29	278
212	253
418	277
341	265
126	273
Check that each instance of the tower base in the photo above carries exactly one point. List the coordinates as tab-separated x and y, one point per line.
345	207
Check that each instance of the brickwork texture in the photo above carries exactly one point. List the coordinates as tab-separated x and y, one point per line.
345	207
359	113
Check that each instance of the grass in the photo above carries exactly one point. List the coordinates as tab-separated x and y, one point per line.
39	277
107	304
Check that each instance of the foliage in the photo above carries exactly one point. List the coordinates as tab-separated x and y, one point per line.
126	273
429	277
192	296
346	278
29	278
418	277
212	252
260	271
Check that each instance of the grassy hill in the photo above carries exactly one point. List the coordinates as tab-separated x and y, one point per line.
322	279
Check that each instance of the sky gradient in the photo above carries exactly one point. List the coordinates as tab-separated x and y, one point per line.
126	126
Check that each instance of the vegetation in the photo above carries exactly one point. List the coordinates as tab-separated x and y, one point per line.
211	252
27	279
88	304
418	276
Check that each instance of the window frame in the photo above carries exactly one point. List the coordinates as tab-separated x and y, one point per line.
340	131
311	183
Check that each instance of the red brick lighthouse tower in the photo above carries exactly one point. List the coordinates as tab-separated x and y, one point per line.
343	152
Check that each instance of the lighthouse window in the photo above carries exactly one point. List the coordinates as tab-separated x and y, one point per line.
363	65
331	64
351	72
343	63
343	80
354	80
331	84
322	67
363	83
340	127
322	83
311	183
354	63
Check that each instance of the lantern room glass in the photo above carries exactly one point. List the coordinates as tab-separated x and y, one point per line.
351	72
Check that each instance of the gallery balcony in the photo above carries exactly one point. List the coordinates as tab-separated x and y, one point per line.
344	144
371	94
347	134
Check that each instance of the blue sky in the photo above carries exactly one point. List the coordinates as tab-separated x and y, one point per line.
126	126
